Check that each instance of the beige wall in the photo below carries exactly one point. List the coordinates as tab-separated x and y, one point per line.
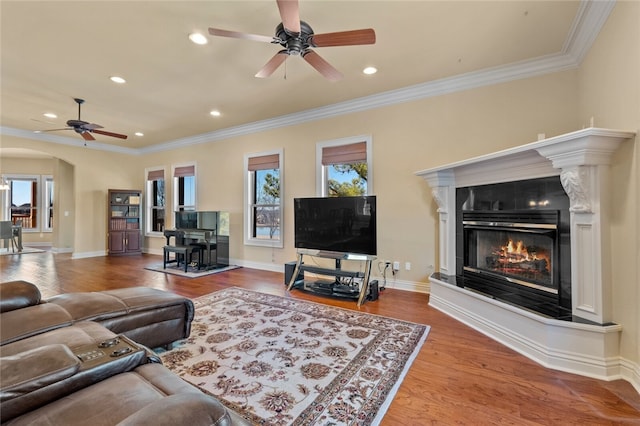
406	138
609	80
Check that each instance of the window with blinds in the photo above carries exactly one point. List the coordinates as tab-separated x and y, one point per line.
155	201
344	167
263	195
184	187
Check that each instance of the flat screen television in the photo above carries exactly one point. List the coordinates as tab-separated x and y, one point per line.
336	224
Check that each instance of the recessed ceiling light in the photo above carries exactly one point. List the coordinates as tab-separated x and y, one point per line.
370	70
215	113
50	115
198	38
139	134
117	79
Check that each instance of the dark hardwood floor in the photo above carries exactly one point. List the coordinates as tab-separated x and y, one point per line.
459	377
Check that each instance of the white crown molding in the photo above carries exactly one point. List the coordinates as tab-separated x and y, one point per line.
586	26
62	140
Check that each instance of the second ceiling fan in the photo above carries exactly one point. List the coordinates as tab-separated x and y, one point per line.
298	39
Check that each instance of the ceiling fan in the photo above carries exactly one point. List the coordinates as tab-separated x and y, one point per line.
297	38
84	128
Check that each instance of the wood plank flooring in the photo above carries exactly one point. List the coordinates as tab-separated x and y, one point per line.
459	377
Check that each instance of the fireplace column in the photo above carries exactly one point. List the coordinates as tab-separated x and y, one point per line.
584	174
443	189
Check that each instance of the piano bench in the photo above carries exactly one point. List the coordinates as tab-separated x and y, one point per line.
184	252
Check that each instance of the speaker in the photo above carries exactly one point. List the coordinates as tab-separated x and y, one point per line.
373	290
289	267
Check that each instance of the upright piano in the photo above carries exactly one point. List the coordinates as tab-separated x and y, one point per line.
208	229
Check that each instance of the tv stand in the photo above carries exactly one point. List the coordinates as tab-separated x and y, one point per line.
334	287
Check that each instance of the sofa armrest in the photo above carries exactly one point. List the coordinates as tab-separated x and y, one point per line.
18	294
37	368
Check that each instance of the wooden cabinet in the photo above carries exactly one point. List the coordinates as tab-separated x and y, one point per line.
124	217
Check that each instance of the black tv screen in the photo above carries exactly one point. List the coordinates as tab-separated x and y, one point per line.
338	224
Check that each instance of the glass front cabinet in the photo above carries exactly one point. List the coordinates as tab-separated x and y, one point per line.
124	222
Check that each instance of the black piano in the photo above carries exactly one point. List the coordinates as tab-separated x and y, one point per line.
209	230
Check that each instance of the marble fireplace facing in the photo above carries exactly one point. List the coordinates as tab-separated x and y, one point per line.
521	237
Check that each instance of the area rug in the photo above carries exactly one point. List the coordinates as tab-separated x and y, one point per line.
281	361
25	250
192	271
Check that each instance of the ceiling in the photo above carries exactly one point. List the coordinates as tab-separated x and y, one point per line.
54	51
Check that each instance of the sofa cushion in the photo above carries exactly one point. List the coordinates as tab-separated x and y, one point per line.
94	306
150	394
78	338
79	334
35	369
32	320
18	294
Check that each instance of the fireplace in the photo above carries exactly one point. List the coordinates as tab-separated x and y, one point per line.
515	254
510	181
518	248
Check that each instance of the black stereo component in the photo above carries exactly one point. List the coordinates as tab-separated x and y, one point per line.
373	290
289	267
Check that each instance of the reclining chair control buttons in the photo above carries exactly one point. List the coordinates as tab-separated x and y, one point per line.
109	343
121	352
90	355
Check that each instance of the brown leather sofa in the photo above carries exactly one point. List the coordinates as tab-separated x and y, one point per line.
83	358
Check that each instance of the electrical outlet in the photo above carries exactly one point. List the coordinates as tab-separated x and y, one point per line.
407	266
396	265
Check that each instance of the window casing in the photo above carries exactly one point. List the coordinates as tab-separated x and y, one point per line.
31	201
155	202
263	199
344	167
184	188
47	203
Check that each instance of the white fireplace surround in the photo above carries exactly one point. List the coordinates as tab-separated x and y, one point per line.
581	159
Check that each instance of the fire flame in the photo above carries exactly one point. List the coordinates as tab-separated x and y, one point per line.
516	253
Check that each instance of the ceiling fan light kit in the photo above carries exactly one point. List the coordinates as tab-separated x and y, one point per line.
298	39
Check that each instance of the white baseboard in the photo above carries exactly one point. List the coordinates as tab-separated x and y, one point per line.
62	250
630	371
86	254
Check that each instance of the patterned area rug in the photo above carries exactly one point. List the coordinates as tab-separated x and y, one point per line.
192	271
282	361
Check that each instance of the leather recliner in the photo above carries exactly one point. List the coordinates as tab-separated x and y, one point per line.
50	373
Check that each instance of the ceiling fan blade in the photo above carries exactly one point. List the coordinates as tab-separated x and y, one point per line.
91	126
273	64
322	66
245	36
87	136
344	38
53	130
290	15
104	132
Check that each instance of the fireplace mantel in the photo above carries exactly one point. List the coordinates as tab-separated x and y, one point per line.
581	159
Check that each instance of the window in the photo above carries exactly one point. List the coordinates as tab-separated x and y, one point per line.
184	188
155	201
26	194
343	167
263	199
